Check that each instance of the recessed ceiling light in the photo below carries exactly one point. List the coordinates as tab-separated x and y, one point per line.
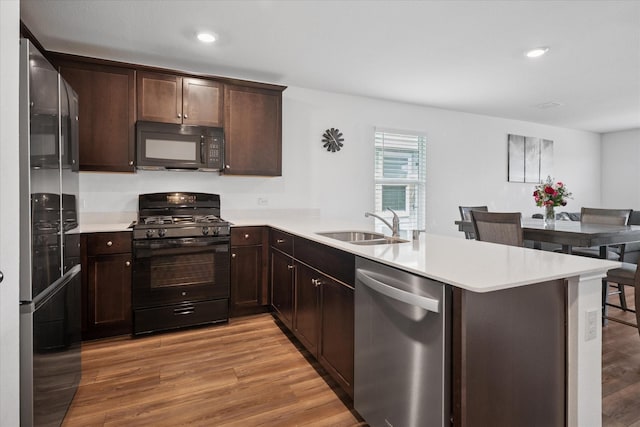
537	52
206	37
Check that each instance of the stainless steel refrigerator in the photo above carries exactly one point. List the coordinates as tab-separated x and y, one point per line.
49	242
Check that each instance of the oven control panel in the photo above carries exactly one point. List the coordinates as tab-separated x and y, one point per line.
211	231
189	231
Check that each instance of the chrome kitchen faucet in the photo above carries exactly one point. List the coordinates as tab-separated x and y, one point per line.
395	228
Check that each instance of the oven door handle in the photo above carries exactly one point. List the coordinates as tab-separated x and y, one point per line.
179	243
147	249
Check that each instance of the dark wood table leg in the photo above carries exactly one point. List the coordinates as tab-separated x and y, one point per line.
603	252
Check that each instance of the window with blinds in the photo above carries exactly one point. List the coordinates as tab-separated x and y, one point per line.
400	177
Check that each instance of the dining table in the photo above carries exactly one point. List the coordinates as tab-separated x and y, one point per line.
571	234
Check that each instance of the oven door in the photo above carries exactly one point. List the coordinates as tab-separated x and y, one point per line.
171	271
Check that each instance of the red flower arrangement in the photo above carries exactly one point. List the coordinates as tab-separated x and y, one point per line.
550	194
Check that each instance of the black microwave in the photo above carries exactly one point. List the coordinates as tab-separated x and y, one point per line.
166	146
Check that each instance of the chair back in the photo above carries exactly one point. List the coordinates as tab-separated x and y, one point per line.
636	292
634	218
605	216
498	227
465	214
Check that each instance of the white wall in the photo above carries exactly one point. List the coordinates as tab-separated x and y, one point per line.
466	160
621	169
9	211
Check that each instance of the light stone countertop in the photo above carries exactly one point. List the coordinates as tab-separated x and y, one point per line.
467	264
104	227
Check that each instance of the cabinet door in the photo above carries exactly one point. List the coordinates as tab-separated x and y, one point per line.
246	275
106	115
253	131
201	102
159	97
282	275
306	321
108	295
337	331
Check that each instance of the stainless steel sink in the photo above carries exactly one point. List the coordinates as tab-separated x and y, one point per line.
383	241
362	237
352	236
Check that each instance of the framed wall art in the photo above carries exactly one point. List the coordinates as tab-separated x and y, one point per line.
530	158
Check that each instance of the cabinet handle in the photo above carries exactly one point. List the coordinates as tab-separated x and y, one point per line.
279	240
246	236
290	267
179	115
233	255
228	167
130	162
186	117
109	243
127	263
316	282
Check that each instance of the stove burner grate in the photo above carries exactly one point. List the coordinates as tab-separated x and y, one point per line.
153	220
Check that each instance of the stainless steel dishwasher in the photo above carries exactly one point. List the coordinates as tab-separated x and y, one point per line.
402	348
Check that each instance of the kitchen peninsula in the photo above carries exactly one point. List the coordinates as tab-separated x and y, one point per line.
488	274
478	272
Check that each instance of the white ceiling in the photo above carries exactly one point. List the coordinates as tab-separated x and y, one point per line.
458	55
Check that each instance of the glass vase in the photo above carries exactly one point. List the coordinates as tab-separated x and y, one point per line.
549	215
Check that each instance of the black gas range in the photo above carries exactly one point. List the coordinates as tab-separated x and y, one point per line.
170	215
181	253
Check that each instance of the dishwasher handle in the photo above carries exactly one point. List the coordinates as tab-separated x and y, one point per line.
428	304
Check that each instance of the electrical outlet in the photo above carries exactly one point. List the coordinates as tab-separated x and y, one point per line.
591	327
263	201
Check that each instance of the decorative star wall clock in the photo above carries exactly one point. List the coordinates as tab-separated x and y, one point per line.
332	139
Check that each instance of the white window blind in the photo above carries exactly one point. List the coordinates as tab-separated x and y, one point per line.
400	177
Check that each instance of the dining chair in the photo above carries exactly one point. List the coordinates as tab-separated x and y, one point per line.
611	217
627	275
498	227
603	216
465	215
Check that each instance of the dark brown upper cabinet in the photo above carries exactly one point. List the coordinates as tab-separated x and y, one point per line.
106	114
253	131
168	98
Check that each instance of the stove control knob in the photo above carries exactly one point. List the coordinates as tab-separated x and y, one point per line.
149	233
205	230
216	231
162	232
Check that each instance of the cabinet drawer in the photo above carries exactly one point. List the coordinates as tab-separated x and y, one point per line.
334	262
180	315
246	236
282	241
108	243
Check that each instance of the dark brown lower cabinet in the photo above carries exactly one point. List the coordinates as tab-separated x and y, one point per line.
324	322
246	271
106	265
306	323
249	271
335	351
322	315
282	279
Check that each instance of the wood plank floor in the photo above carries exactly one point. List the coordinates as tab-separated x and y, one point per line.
248	373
